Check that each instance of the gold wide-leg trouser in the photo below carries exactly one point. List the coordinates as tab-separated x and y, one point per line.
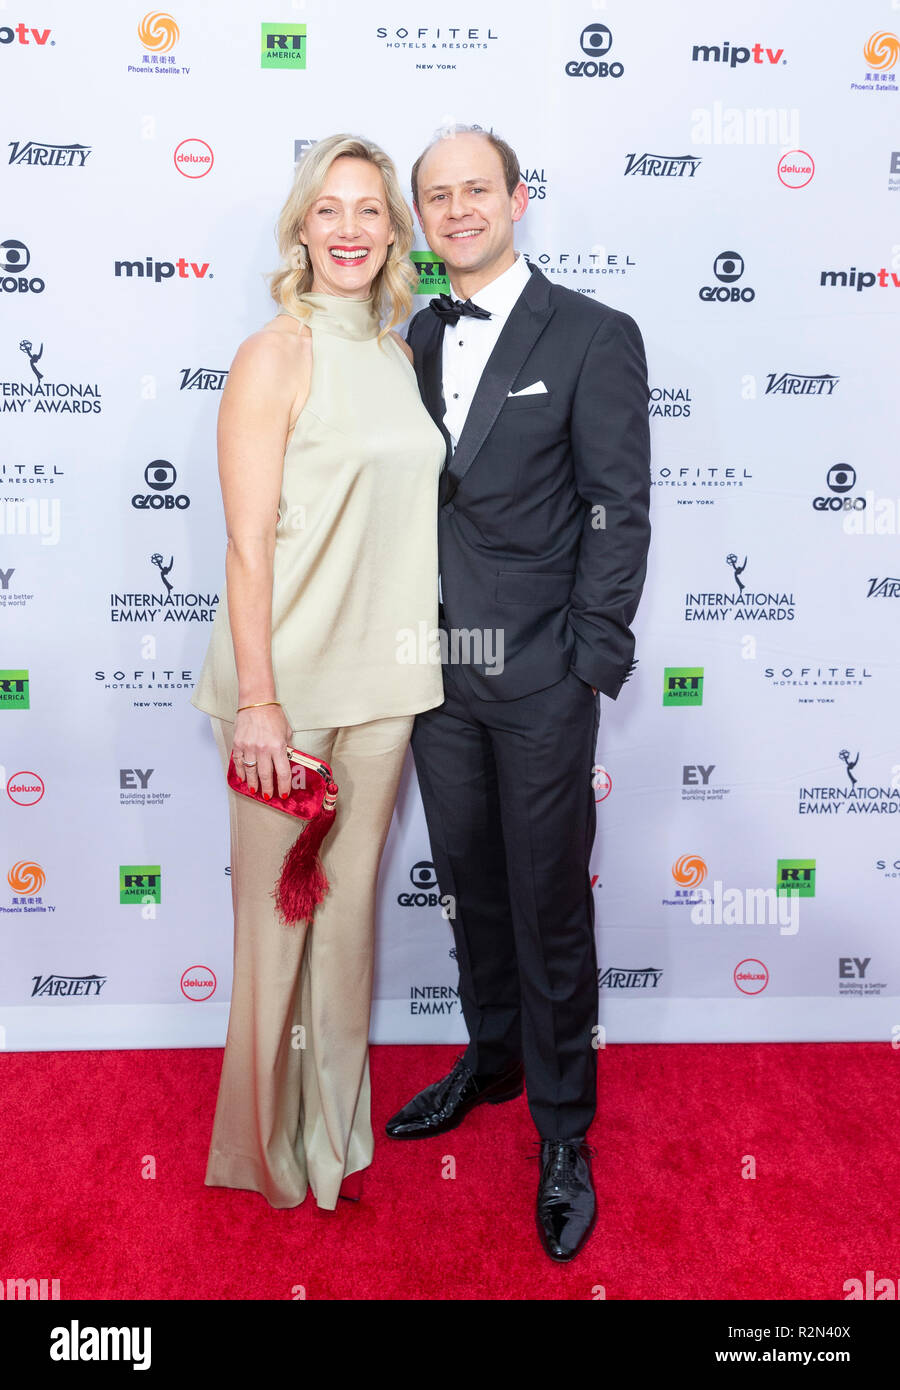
293	1106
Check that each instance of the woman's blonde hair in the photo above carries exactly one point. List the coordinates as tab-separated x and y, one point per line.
395	281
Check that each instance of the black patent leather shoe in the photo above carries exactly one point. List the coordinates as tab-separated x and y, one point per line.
566	1206
446	1104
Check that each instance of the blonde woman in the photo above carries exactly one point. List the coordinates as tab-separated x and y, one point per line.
329	466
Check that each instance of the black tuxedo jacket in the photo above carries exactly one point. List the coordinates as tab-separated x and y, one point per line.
543	523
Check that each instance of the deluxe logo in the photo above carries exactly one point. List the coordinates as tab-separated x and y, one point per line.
601	782
596	41
433	277
283	46
26	878
20	34
140	883
14	258
798	384
198	983
663	166
25	788
158	32
172	606
158	271
202	379
728	267
53	156
683	685
67	986
751	976
881	51
840	478
42	397
160	475
617	977
743	606
859	279
796	169
797	877
14	690
193	158
736	56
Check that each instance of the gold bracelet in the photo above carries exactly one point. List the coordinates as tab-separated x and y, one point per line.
259	704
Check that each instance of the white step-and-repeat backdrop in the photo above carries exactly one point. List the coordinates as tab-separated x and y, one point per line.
730	176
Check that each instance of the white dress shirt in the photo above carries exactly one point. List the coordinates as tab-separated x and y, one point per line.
468	344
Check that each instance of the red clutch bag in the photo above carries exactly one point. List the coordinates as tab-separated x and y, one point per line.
302	883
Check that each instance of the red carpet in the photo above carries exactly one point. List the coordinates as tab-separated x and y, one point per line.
677	1220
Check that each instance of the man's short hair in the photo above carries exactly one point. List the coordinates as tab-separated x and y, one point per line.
511	172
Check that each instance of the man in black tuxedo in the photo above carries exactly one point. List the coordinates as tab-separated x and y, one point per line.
542	396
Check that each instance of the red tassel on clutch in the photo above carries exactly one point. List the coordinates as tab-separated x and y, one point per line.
303	882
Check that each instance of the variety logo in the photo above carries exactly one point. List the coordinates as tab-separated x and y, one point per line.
67	986
796	169
158	271
859	279
283	46
202	379
840	478
663	166
617	977
14	258
728	267
796	877
736	56
171	606
799	384
15	690
743	606
683	685
55	156
140	883
198	983
25	788
19	33
433	277
39	396
193	158
160	475
751	976
596	41
849	797
852	980
671	403
884	588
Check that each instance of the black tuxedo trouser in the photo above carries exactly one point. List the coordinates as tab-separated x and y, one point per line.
507	792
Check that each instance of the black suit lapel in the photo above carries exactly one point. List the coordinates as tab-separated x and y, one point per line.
429	370
527	320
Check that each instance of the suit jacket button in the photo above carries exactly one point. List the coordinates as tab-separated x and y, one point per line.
449	508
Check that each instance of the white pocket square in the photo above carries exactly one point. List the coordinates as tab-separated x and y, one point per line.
537	388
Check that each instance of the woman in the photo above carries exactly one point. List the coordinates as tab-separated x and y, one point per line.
329	469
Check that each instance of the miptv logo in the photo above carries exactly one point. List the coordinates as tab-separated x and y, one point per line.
193	158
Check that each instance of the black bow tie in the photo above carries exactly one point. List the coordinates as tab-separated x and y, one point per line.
452	310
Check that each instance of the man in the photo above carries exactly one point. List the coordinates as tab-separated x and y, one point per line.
542	396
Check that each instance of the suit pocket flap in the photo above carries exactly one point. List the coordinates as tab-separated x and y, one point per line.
530	586
522	402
